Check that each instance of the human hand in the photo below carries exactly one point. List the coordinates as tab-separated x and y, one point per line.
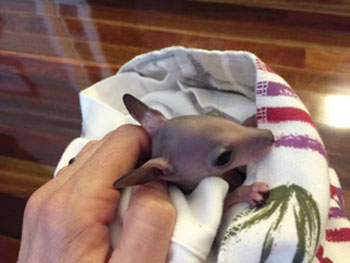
67	219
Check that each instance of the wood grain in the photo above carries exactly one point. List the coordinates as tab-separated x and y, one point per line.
18	180
340	7
8	249
51	50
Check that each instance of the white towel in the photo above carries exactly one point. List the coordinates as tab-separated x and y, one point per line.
303	220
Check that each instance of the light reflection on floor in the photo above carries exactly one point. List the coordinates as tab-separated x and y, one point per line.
337	111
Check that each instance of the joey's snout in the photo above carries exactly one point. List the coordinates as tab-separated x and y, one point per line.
268	137
264	144
259	144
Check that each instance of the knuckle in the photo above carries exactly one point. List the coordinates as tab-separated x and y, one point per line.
49	218
127	130
62	171
107	135
47	212
33	203
155	210
53	208
103	159
158	207
168	210
160	215
88	147
116	134
91	143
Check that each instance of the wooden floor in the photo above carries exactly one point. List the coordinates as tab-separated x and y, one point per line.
52	49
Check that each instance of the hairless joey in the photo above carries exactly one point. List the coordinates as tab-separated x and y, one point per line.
189	148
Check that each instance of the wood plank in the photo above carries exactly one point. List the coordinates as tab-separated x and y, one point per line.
11	215
338	7
18	180
319	81
328	60
324	108
9	248
290	59
35	89
217	20
46	76
48	68
39	145
43	46
29	113
129	36
37	110
191	10
286	57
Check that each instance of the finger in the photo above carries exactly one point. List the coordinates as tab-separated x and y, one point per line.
117	155
88	150
80	160
148	226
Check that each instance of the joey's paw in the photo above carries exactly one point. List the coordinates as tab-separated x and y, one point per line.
257	194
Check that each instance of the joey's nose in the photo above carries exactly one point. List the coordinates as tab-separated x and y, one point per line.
269	139
262	144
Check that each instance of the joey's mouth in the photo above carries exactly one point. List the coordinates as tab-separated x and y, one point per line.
234	178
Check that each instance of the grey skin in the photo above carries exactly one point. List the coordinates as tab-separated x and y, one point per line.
187	149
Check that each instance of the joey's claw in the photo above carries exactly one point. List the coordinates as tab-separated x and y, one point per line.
258	194
259	203
265	195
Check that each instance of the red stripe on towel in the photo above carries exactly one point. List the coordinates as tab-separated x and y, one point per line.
269	69
280	114
320	256
262	66
338	235
337	192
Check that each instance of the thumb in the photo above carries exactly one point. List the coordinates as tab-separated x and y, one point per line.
148	226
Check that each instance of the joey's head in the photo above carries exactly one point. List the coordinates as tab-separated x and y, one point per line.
189	148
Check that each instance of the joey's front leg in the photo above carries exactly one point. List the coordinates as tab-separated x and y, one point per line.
254	194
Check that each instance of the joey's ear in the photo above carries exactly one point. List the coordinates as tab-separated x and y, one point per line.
149	118
151	170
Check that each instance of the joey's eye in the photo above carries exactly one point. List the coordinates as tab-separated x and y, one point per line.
224	158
